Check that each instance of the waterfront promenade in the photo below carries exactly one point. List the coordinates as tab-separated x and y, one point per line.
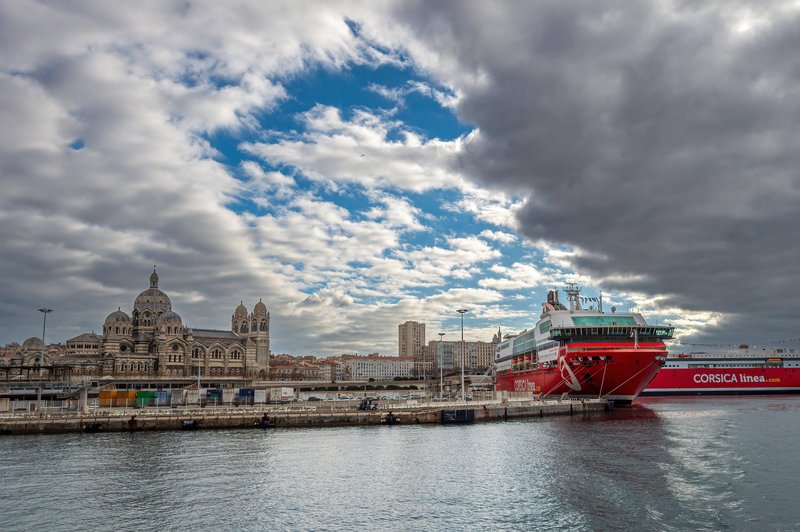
270	416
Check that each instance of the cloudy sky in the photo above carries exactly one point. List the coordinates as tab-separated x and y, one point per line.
359	164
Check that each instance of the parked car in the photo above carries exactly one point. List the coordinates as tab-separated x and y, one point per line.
368	403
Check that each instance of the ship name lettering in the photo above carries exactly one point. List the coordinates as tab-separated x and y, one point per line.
715	378
720	378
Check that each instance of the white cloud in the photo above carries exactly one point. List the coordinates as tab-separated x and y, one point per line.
499	236
358	151
399	94
396	211
493	208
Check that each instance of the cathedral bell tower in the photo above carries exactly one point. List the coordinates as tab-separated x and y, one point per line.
259	333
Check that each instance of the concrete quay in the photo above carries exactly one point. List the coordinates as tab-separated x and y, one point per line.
128	420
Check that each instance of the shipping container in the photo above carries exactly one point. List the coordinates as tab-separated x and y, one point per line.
163	398
125	398
213	396
246	396
191	398
107	398
228	395
145	398
259	397
178	398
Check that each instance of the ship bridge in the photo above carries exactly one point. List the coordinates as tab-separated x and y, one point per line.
599	332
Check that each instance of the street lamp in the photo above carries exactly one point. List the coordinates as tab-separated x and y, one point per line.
441	353
44	311
462	311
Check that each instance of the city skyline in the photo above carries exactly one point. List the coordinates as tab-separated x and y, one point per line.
361	165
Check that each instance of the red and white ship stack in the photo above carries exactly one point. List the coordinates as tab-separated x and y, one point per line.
582	352
745	370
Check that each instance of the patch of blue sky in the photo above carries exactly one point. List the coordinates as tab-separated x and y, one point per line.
347	90
77	144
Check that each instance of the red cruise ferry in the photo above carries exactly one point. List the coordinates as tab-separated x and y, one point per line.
741	371
582	352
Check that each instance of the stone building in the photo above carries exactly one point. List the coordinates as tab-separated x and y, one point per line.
478	356
378	367
411	339
153	342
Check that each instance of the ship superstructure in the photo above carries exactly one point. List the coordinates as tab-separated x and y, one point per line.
582	352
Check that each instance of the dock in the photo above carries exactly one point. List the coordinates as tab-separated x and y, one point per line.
270	417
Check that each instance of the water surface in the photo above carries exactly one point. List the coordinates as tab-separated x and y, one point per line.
665	464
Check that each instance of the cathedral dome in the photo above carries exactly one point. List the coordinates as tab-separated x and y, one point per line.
169	316
118	317
260	309
32	344
153	298
241	311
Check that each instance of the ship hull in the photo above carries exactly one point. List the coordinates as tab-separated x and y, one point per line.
725	381
614	372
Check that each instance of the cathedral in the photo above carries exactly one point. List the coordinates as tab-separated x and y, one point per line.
153	342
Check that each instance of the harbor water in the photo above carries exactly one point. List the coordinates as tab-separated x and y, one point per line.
706	463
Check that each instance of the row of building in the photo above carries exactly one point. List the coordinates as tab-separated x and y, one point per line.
443	355
152	341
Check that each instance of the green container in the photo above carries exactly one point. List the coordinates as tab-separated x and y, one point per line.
145	398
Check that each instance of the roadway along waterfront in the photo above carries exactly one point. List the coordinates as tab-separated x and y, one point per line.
120	420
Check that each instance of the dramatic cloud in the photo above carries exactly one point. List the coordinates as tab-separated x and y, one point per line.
658	138
643	148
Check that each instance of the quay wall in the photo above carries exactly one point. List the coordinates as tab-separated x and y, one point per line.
234	418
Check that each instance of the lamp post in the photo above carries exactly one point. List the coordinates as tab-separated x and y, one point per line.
44	311
441	352
462	311
198	378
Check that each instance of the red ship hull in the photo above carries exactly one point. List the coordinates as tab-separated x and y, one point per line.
618	372
725	381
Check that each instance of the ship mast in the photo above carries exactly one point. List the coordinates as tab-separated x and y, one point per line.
573	296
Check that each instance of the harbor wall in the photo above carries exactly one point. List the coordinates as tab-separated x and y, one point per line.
233	418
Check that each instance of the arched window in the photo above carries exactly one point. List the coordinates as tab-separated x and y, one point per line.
263	326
